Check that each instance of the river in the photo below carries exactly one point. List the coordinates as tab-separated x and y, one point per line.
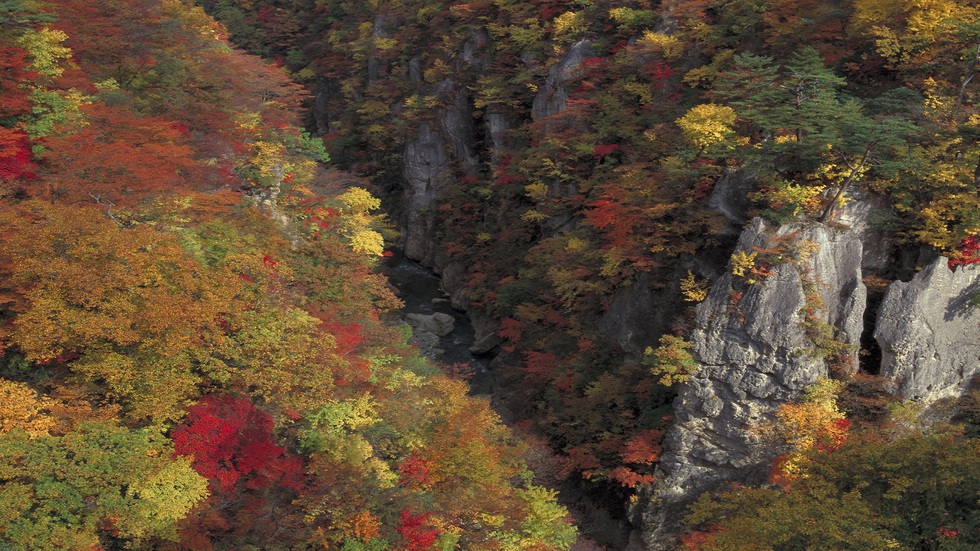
419	288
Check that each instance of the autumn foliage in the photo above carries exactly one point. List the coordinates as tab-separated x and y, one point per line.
196	349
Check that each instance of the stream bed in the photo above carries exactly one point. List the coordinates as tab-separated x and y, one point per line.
419	288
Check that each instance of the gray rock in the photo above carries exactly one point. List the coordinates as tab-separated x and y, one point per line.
637	315
454	283
498	126
858	214
552	97
927	330
754	354
428	343
485	328
440	324
426	173
730	198
457	124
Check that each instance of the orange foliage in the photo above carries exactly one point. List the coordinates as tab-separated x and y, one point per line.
117	158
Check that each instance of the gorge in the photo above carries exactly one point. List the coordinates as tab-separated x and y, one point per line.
421	275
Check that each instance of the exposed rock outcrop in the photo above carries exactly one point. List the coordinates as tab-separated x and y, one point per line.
858	214
552	97
755	349
730	197
927	329
636	316
439	324
426	173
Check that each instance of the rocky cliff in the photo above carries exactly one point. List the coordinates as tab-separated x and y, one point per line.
927	331
756	348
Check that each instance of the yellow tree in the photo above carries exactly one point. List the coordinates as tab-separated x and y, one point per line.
126	308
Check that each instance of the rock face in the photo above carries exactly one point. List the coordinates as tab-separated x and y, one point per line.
754	352
858	214
438	324
730	197
552	97
426	173
927	330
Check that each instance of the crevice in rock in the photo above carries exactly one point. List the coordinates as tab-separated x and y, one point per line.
869	357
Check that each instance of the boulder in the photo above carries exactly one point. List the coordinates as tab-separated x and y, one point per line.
439	324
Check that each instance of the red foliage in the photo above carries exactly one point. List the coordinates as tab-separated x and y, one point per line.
539	366
777	473
630	478
417	536
948	533
512	329
13	73
968	253
347	335
659	72
414	471
601	151
231	441
15	155
643	448
833	437
696	540
581	459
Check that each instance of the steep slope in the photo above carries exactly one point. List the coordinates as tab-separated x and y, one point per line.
580	172
195	349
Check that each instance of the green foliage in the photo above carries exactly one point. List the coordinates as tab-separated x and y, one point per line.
671	361
915	492
101	480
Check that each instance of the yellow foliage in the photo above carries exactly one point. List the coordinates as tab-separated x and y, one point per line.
384	44
671	361
164	498
569	24
693	289
576	245
815	420
667	45
367	242
21	407
358	200
901	29
536	191
743	262
707	124
268	161
793	199
357	221
533	216
47	53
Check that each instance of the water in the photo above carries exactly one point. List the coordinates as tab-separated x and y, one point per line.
417	286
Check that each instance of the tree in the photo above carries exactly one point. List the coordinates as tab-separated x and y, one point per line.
799	128
99	483
910	490
128	308
229	442
707	124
